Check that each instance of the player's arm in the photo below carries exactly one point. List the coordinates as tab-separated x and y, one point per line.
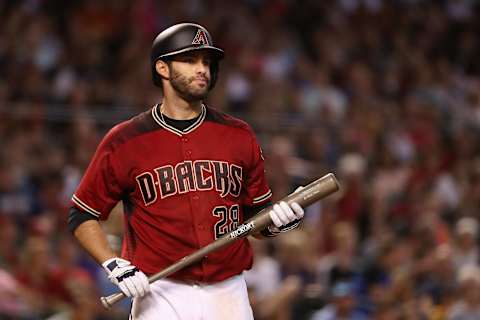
100	189
90	235
284	216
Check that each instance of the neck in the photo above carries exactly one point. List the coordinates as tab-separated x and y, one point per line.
180	109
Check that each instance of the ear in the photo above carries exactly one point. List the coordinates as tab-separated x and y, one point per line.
162	68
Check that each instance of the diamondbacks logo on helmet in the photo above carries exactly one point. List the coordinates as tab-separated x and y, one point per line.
200	38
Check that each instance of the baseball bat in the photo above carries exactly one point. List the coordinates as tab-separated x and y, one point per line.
309	194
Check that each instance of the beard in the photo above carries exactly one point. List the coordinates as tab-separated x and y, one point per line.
183	85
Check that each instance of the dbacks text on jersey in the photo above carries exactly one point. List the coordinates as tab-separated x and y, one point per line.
186	176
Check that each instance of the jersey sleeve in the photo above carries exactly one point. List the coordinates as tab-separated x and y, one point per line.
99	190
258	191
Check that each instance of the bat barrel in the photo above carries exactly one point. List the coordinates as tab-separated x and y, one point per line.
315	191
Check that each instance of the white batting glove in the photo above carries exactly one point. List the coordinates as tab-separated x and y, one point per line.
283	214
132	281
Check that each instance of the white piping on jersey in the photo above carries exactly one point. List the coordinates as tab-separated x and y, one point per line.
159	119
262	197
85	207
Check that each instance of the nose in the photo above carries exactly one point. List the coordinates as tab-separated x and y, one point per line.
201	67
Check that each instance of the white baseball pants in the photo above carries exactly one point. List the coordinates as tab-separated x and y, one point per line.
172	300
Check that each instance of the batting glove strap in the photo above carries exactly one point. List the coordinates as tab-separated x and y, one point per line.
292	225
118	269
273	231
132	281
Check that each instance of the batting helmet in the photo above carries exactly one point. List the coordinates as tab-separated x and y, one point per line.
180	38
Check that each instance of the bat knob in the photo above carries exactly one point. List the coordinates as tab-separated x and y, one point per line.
105	302
109	301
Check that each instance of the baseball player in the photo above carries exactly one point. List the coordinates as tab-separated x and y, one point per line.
186	175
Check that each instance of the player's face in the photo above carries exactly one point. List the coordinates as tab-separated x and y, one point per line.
190	75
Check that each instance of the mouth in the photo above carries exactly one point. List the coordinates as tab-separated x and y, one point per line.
202	81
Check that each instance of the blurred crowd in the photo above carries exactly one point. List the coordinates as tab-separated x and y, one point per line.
385	94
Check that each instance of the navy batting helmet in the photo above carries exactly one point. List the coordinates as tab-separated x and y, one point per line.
180	38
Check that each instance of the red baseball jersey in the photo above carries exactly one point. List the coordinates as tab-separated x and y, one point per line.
181	189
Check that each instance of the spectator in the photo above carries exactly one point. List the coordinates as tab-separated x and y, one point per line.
343	305
467	305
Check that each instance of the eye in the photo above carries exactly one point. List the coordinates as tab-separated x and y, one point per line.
186	59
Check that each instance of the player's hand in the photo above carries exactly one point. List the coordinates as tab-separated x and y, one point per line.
283	214
132	281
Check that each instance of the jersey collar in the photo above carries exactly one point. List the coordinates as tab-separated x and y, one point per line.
158	119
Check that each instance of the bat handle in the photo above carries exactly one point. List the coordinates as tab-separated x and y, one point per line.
110	300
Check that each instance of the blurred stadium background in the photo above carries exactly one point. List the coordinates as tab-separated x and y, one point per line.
386	94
